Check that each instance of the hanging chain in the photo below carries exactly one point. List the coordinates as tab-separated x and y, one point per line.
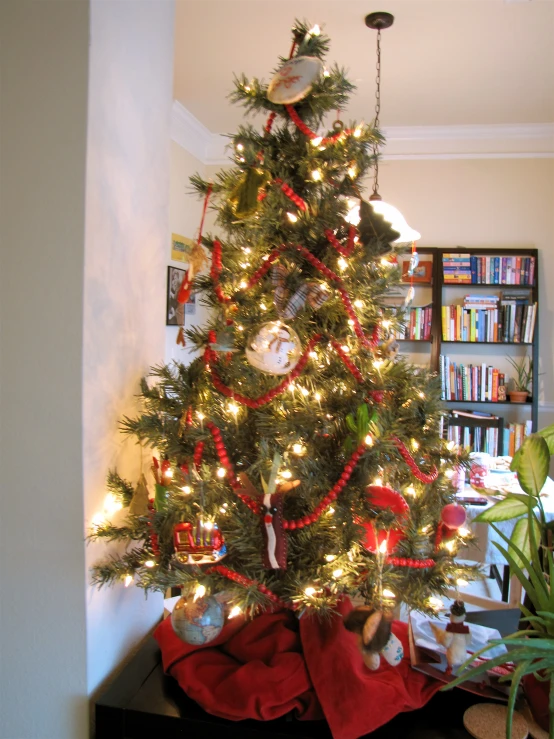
378	80
377	112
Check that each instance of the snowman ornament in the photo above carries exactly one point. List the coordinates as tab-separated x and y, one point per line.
274	348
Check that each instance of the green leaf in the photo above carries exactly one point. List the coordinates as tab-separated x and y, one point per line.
521	538
538	598
351	423
504	510
533	464
548	435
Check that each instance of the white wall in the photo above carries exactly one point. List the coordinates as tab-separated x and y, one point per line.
81	318
126	245
43	119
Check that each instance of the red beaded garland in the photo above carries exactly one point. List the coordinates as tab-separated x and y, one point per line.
347	250
289	192
348	363
215	272
410	461
299	123
269	123
414	563
198	452
267	397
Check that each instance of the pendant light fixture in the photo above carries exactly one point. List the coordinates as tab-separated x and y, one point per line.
379	21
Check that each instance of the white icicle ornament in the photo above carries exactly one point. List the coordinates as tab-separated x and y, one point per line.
274	348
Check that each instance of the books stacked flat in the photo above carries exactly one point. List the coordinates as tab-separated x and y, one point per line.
456	268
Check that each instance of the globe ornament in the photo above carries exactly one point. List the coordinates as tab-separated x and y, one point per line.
197	621
274	348
294	80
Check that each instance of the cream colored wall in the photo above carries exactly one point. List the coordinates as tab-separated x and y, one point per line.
185	211
126	241
490	203
43	123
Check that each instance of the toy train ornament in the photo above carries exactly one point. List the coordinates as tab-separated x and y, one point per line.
198	544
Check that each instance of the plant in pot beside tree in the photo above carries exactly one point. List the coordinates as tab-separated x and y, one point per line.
522	379
528	552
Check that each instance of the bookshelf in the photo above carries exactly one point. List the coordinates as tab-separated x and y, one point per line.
476	334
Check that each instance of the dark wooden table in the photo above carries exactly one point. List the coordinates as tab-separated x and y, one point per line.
143	703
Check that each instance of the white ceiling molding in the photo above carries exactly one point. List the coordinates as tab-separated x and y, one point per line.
502	141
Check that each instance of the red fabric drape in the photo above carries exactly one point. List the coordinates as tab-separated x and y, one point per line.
264	668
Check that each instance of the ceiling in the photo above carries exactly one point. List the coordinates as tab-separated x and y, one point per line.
444	62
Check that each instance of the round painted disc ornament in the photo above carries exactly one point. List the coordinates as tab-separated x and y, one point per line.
294	80
274	348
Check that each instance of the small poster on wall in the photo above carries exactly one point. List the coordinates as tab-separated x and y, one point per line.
181	248
176	311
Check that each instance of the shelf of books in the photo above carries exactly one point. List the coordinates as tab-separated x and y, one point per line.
470	430
507	318
483	306
472	269
500	324
466	431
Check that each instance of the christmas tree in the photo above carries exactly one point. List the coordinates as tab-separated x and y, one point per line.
299	458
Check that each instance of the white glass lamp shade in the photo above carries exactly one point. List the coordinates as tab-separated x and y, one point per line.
392	215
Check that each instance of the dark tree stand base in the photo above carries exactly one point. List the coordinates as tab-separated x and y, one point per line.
143	703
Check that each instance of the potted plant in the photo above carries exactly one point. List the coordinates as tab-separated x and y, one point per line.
522	380
528	552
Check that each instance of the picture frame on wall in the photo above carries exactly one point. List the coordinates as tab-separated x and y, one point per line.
422	273
175	277
181	248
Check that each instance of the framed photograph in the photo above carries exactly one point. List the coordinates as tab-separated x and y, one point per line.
422	273
174	310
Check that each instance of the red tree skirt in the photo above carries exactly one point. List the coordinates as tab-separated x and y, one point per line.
264	668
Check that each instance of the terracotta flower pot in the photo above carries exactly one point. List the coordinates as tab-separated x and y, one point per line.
537	694
518	396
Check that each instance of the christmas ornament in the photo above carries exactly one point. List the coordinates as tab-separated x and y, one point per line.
162	475
244	196
274	348
456	637
384	497
198	544
312	293
223	339
375	637
275	544
139	502
294	80
196	620
453	515
389	348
